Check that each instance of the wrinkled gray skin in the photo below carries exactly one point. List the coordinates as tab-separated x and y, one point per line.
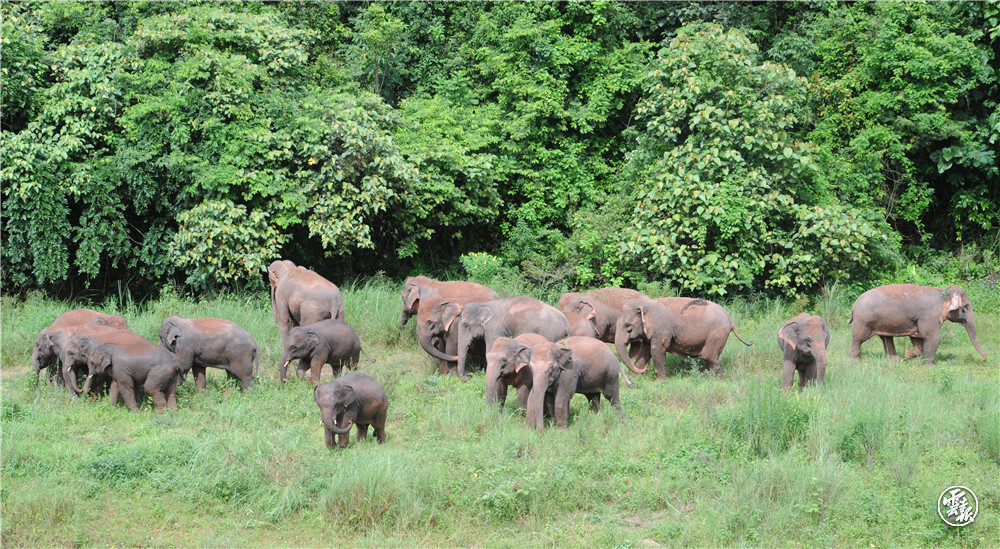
679	325
300	296
81	343
577	365
508	362
139	365
49	344
602	308
416	289
332	342
355	398
907	310
210	342
437	331
508	317
803	341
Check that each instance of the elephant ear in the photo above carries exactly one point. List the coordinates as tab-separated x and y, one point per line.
587	309
411	295
522	357
100	360
449	312
345	397
312	340
789	334
564	358
484	315
647	326
956	302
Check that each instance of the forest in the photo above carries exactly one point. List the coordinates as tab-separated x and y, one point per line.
714	148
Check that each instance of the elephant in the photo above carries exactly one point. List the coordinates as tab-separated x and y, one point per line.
580	326
300	296
80	346
355	398
48	348
581	365
135	365
803	340
419	288
437	332
907	310
508	317
330	341
215	342
682	326
52	344
507	363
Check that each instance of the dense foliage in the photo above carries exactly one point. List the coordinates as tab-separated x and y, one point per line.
713	147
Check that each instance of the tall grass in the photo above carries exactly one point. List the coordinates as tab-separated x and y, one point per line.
691	461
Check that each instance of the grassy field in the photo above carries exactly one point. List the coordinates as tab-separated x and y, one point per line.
693	461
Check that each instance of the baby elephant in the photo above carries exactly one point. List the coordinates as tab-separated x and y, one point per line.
804	340
329	341
215	342
353	399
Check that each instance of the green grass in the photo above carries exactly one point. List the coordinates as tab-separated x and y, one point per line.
692	461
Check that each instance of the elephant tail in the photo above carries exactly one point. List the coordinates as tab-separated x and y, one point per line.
255	358
733	329
850	319
370	359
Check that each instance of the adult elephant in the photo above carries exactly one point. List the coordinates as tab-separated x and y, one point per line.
300	296
437	331
679	325
577	365
601	307
81	343
508	317
419	288
216	342
907	310
803	341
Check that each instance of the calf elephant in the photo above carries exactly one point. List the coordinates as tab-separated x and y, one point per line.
332	342
355	398
508	317
139	365
416	289
507	362
300	296
679	325
219	343
53	346
803	341
906	310
581	365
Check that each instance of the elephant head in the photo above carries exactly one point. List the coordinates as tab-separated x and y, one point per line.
957	308
634	325
277	271
413	287
505	362
170	332
336	401
580	326
476	323
435	320
44	352
548	361
300	343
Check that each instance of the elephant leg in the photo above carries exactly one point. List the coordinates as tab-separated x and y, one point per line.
595	402
198	373
614	396
329	435
788	375
658	350
343	439
890	347
380	431
114	391
522	396
808	375
562	408
127	388
930	347
550	404
362	432
316	369
639	352
501	391
917	350
859	335
303	366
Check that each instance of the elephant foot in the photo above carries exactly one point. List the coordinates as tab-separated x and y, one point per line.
660	378
464	378
911	353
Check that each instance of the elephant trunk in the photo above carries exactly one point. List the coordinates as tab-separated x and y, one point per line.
970	326
331	423
424	338
70	379
621	345
534	414
819	353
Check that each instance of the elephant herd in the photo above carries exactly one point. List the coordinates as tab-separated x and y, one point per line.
546	354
